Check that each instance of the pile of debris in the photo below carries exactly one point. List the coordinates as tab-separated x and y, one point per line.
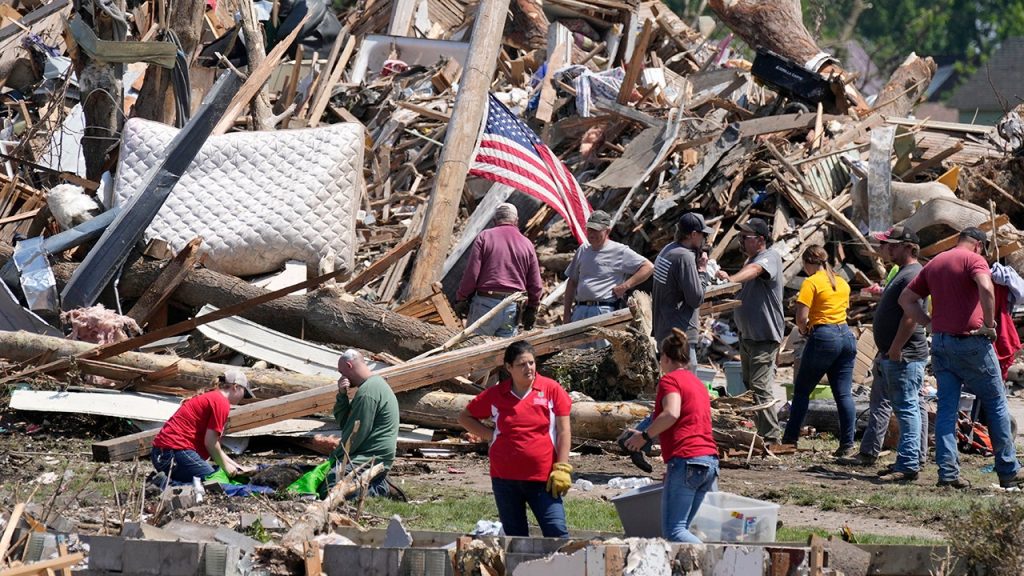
141	170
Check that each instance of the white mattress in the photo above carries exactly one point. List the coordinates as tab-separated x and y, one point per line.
258	199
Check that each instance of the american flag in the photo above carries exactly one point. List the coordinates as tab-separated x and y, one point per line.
510	153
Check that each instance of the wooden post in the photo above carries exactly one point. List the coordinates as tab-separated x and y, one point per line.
459	144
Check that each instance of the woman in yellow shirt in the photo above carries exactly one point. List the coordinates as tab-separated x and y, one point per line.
831	347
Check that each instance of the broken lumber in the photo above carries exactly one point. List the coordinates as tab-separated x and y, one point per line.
402	378
905	87
45	566
170	277
318	514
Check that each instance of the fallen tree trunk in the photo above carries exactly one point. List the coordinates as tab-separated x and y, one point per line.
594	420
318	514
905	87
190	374
320	315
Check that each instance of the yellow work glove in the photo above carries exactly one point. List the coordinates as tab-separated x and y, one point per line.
559	480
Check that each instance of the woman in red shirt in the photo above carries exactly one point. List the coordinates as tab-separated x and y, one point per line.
529	444
193	433
682	421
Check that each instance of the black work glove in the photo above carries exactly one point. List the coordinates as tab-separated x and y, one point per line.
461	308
529	317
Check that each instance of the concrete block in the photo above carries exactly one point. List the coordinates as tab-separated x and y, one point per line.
575	563
240	541
346	560
190	531
397	536
727	560
105	552
145	557
221	560
140	530
426	562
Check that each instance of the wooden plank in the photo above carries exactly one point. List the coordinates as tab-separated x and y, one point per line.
424	111
167	282
12	525
37	567
257	78
636	63
950	241
324	95
403	377
380	266
311	557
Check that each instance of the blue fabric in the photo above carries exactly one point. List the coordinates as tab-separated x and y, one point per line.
902	382
245	489
687	480
831	350
513	496
503	325
187	464
582	312
970	363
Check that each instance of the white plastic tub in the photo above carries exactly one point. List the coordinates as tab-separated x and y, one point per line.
725	517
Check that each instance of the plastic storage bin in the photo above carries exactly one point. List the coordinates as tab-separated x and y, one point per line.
821	392
640	511
725	517
734	378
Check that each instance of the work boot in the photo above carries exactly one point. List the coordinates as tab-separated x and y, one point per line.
844	451
861	459
638	458
887	470
958	483
1014	481
895	476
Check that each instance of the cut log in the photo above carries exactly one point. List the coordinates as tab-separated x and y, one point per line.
594	420
905	87
326	317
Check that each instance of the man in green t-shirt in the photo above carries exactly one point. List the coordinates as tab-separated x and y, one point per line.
367	412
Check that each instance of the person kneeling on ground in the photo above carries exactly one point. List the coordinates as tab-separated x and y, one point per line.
366	410
682	422
529	444
192	435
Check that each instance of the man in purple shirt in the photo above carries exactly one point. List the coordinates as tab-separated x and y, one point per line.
502	262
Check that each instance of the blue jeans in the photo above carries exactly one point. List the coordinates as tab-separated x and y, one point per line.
512	498
503	324
187	463
902	382
970	362
687	480
581	312
831	350
879	411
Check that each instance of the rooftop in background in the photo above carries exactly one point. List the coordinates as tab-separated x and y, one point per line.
1001	77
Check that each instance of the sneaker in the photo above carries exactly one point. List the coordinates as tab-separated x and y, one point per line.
844	451
861	459
895	476
958	483
1015	481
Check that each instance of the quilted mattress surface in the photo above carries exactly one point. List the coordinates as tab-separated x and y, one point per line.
257	199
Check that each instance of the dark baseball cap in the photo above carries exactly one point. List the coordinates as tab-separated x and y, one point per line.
975	233
757	226
599	220
897	235
693	222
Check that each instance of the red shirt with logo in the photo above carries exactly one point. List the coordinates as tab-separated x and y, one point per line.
186	430
949	280
523	447
691	435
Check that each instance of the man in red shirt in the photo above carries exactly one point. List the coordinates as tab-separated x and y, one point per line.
963	326
193	433
501	262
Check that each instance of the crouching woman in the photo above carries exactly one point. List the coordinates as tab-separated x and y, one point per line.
193	433
682	421
529	444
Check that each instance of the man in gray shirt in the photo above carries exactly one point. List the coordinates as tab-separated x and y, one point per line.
601	272
678	289
759	319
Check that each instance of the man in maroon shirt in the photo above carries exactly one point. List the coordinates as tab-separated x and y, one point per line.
502	262
963	326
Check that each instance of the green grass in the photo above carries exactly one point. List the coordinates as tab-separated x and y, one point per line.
431	508
800	535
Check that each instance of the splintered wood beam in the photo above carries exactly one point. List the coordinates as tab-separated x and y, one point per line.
402	378
170	278
950	241
381	266
636	63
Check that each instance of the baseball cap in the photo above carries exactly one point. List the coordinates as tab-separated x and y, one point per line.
693	222
975	233
897	235
238	377
757	226
599	220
